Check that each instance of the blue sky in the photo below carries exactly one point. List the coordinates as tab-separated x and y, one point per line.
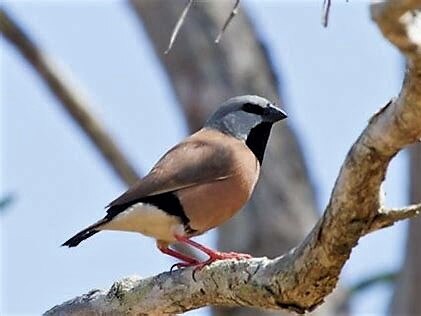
333	80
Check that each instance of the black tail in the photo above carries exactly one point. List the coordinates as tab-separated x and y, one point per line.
84	234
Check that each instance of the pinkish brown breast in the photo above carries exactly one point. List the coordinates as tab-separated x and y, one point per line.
211	204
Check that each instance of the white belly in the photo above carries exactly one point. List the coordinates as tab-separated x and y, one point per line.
147	220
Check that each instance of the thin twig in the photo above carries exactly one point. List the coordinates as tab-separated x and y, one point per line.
178	26
325	12
233	13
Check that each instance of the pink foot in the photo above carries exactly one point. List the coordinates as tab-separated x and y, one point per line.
213	255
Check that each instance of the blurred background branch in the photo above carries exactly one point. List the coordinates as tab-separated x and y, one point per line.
70	98
282	209
406	300
6	201
73	102
387	277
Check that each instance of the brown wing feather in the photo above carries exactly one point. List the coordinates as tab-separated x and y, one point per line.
203	157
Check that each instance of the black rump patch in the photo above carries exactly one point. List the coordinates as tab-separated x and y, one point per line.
167	202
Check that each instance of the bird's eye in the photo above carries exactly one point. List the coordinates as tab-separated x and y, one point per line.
252	108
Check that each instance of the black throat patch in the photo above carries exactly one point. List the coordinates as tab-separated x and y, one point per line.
258	138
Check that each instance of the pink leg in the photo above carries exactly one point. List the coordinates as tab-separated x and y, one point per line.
213	255
178	255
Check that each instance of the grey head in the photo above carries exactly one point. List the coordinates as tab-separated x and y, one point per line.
249	118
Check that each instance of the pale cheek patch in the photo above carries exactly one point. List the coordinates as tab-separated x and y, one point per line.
147	220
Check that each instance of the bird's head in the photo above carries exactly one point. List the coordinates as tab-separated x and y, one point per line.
240	115
248	118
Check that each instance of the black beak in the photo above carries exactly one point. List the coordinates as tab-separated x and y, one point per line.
273	114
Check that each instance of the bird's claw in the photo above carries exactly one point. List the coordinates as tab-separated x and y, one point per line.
181	265
216	256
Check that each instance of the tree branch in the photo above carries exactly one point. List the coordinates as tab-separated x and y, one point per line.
301	279
70	99
249	283
233	13
388	216
178	25
325	12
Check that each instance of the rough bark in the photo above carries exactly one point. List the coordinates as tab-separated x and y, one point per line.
408	288
203	75
276	284
301	279
407	292
69	97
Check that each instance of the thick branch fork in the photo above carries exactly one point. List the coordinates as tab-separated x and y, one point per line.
300	280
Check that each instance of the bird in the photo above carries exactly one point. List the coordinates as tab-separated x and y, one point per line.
198	184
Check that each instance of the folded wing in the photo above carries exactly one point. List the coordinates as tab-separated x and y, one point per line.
195	161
